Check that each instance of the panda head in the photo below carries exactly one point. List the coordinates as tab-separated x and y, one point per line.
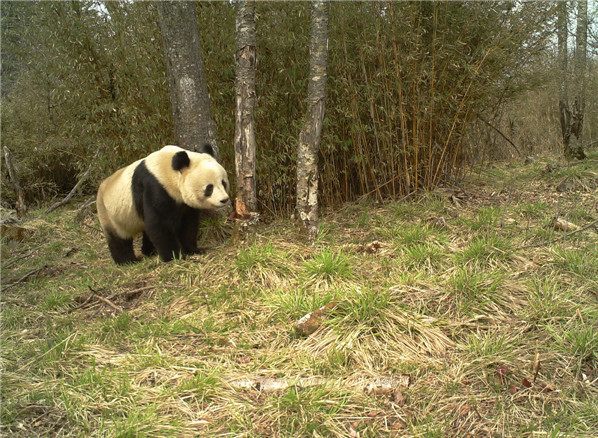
203	182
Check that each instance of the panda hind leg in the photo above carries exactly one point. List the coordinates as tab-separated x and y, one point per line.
121	249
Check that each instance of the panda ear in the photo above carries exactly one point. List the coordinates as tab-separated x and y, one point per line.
180	160
208	149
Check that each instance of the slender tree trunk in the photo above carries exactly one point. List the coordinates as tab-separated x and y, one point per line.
571	116
580	63
192	117
564	113
309	137
246	201
20	206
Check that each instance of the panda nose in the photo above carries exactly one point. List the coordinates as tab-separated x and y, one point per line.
224	201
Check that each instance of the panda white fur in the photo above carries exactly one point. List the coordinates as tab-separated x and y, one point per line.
160	196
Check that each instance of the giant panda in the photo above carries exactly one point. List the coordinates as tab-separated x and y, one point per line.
160	196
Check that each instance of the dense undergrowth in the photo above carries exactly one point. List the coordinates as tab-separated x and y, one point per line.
486	313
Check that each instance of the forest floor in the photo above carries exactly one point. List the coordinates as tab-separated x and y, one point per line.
464	310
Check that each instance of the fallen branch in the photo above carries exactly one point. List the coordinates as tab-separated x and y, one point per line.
373	386
107	301
129	293
80	212
12	261
24	277
500	133
75	189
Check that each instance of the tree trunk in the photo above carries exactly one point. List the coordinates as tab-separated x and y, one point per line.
564	113
579	102
309	137
571	118
20	206
246	201
192	117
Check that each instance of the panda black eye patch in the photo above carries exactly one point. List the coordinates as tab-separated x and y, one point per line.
224	184
209	190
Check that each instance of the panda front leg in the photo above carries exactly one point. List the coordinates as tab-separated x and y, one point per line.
147	247
162	233
187	231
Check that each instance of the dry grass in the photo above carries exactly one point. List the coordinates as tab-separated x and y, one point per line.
467	292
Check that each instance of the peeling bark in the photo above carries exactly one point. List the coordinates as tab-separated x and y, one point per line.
309	137
246	202
193	123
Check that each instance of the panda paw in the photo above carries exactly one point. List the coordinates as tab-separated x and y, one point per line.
195	251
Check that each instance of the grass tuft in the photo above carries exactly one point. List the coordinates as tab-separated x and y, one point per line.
484	250
328	265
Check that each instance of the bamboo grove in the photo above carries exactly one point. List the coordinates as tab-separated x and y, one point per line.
405	82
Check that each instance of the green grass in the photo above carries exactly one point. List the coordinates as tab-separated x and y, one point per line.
484	250
472	288
533	210
577	339
253	257
328	265
583	263
447	304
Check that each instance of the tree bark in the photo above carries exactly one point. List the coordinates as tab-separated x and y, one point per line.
564	113
571	116
309	137
580	63
246	201
20	205
192	117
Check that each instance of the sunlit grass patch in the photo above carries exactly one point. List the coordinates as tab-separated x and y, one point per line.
484	250
326	232
486	218
254	256
472	287
203	386
422	256
56	300
433	202
579	418
289	305
333	362
117	327
578	339
264	264
136	421
412	234
328	265
582	262
13	317
548	299
404	211
362	306
308	411
580	215
490	347
55	348
533	210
